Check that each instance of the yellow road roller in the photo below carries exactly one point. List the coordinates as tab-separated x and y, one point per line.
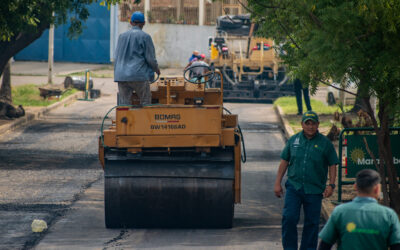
175	163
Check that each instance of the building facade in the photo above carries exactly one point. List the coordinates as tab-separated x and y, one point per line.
177	27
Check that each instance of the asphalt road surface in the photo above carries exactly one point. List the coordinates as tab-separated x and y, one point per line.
50	170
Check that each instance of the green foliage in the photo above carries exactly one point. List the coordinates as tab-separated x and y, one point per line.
26	16
344	41
28	95
289	106
353	40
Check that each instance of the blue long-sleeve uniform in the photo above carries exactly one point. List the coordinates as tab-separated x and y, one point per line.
135	58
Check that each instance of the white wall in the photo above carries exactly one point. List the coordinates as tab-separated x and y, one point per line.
174	43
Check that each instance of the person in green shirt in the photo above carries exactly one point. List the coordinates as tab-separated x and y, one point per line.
307	157
362	223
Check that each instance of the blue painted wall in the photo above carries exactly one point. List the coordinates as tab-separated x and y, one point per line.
92	46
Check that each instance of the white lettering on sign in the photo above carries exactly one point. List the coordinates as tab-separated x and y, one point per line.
167	126
167	117
364	161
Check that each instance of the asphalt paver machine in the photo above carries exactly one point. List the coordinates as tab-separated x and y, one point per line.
251	67
174	163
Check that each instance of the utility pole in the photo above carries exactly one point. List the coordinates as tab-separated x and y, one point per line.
50	59
146	10
201	12
179	10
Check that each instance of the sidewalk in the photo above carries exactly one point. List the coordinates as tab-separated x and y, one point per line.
29	72
33	113
24	72
30	68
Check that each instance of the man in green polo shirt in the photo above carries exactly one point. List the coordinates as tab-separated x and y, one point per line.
363	223
307	157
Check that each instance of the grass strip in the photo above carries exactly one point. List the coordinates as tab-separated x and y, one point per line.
29	95
289	106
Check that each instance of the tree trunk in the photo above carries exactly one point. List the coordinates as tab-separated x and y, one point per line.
5	89
17	43
359	103
387	168
387	155
381	169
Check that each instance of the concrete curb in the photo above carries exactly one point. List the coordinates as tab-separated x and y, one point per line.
17	123
288	132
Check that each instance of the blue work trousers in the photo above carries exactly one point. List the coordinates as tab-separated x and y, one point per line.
294	199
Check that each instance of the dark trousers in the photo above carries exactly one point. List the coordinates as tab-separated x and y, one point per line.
298	88
311	203
125	91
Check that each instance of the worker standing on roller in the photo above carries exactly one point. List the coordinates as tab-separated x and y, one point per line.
135	62
307	157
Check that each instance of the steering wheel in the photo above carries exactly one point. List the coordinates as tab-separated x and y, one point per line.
190	75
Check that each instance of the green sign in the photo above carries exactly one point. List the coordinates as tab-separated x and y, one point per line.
358	157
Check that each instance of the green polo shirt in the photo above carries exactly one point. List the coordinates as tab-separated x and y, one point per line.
362	224
309	160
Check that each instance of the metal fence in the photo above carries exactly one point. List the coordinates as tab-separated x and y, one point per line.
181	11
233	7
354	155
174	11
127	7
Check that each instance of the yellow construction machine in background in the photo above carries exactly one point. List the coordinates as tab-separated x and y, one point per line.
251	67
174	163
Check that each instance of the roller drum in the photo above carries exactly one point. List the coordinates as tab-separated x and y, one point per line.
146	194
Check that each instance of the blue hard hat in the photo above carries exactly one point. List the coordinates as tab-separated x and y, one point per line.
138	17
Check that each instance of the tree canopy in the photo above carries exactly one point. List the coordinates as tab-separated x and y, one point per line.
340	40
343	41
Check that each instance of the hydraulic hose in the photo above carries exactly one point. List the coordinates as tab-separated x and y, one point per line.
284	80
227	78
102	126
243	156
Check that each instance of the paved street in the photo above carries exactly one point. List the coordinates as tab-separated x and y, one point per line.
50	171
257	219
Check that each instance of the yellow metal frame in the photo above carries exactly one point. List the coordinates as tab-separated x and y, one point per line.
175	124
259	59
